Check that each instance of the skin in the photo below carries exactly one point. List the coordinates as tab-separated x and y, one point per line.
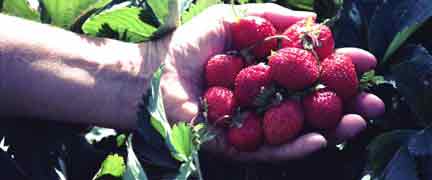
100	81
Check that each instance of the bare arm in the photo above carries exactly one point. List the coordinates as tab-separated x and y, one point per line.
55	74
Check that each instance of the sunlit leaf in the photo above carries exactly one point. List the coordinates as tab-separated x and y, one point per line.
123	23
113	165
20	8
181	139
197	8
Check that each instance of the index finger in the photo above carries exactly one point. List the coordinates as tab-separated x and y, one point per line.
279	16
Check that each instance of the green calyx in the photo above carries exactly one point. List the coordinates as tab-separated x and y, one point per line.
369	79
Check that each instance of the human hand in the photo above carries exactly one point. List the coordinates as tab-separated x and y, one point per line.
188	50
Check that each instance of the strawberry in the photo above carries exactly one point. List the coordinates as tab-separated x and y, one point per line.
309	35
249	30
220	104
339	75
248	135
294	68
249	82
222	69
283	122
323	109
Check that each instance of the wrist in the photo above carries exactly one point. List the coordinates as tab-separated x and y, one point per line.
137	62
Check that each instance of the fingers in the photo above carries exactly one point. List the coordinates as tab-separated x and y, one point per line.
349	127
279	16
363	60
367	104
299	148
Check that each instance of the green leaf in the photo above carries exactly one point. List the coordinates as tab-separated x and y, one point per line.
300	4
123	24
90	11
401	167
421	143
63	13
413	78
399	39
186	169
181	140
155	105
121	140
185	4
383	147
113	165
197	8
167	13
243	1
160	8
134	171
369	79
392	22
20	8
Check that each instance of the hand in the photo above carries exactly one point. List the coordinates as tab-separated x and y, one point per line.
189	48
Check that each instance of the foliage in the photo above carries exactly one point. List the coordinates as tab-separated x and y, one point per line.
396	31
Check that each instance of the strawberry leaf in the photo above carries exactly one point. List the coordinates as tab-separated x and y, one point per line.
197	8
133	166
123	24
154	130
113	166
181	140
401	167
383	147
369	79
186	169
19	8
63	13
420	144
393	22
414	81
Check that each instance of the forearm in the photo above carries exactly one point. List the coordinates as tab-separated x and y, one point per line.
54	74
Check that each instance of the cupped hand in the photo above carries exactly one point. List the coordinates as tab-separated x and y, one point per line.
191	45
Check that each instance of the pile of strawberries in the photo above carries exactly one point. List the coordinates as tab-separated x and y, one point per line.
274	85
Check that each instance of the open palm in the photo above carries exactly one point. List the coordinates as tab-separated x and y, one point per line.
189	48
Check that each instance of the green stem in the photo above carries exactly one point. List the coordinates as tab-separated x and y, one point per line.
197	164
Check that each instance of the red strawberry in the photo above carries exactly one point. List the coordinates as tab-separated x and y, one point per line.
249	82
323	109
283	122
248	136
220	103
250	30
338	74
222	69
308	32
294	68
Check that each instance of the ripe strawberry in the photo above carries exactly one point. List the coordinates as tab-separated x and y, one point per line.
283	122
323	109
248	136
220	103
222	69
339	75
249	82
294	68
307	32
250	30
